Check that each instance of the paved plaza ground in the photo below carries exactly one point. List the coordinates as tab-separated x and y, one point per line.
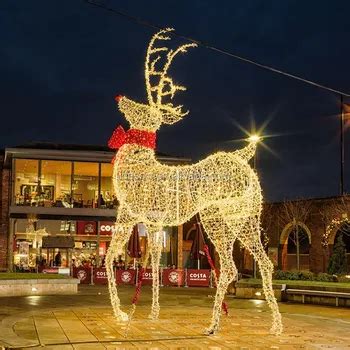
85	321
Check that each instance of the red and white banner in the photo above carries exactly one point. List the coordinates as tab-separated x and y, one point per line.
147	277
126	276
173	277
100	276
198	278
83	274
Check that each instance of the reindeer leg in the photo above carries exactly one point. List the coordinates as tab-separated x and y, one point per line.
120	236
220	236
254	245
155	241
228	272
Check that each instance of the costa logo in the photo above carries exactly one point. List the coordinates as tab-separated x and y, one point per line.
174	277
198	276
126	277
147	275
101	274
89	228
82	275
106	228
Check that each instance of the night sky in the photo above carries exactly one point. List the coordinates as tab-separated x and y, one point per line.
63	61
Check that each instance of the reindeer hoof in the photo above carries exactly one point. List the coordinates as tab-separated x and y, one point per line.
276	330
153	316
122	316
210	331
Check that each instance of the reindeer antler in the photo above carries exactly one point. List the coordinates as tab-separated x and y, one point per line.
165	86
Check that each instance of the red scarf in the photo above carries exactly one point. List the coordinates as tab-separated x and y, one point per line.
132	136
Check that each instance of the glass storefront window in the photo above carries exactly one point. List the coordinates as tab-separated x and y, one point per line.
85	185
26	182
107	194
90	243
55	184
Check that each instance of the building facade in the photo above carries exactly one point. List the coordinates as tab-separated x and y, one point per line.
301	234
60	198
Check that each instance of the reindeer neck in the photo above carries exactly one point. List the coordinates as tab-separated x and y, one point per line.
137	153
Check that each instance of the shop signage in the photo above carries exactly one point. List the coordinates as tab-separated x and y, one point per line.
100	276
173	277
199	278
86	228
147	277
83	274
126	276
89	245
106	227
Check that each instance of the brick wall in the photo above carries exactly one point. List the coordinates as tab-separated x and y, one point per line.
4	211
321	212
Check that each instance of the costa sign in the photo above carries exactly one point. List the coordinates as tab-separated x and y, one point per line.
86	228
126	276
100	276
147	277
83	274
106	227
198	278
173	277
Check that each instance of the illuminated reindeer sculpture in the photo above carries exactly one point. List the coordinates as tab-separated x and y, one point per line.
222	188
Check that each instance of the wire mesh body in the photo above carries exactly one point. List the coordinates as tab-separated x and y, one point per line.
154	193
222	188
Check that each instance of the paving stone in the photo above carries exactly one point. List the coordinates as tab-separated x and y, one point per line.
86	322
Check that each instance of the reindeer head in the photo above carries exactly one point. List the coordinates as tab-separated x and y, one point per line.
160	89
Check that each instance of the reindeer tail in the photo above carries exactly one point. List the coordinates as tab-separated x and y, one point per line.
247	152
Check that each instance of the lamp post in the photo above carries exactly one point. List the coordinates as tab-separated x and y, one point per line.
254	138
341	145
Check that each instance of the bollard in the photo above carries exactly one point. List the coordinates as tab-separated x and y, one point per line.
185	285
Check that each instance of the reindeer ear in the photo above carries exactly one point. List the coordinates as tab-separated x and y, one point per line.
171	118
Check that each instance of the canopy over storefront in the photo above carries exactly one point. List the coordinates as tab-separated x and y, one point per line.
58	242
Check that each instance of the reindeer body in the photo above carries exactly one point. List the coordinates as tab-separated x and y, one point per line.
222	188
189	188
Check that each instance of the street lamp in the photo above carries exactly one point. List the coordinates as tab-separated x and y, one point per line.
341	146
254	138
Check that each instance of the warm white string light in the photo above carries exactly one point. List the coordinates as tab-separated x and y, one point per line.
222	188
336	223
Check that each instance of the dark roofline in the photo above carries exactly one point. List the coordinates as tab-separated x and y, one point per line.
92	153
317	199
63	147
80	147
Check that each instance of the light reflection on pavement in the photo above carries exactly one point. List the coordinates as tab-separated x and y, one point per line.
85	321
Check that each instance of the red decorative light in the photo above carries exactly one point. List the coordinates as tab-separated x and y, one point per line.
138	287
118	98
132	136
